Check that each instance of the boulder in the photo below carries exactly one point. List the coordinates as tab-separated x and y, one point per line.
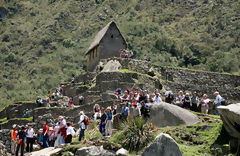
93	151
45	152
164	114
111	66
122	152
163	145
230	116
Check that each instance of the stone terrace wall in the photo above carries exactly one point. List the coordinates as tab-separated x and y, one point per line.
203	82
5	137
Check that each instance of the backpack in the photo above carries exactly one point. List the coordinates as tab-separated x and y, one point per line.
86	120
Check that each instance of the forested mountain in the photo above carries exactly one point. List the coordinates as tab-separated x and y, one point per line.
42	42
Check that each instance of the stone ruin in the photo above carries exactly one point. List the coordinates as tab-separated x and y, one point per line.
110	74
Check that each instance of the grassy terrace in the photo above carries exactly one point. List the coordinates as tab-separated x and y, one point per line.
4	120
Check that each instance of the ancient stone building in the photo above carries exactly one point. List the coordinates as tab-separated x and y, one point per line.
106	44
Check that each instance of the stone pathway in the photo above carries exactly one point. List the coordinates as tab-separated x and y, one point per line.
44	152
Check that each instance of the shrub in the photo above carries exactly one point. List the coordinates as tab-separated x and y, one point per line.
68	43
137	135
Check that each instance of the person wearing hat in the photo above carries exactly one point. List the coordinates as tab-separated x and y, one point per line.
103	122
135	110
62	131
194	102
219	101
83	126
14	133
125	97
30	139
157	98
125	111
21	140
109	121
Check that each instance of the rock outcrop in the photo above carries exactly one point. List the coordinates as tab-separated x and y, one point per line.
93	151
230	116
164	114
163	145
3	150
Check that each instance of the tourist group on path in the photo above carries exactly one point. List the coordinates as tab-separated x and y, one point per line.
24	137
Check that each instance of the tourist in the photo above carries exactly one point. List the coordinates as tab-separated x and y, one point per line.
146	94
52	135
80	99
48	102
83	125
109	121
219	101
194	102
70	102
114	108
186	101
45	134
142	97
131	97
144	110
181	96
96	111
39	102
177	102
62	130
157	98
49	94
135	110
118	91
169	97
30	138
125	97
70	132
136	96
204	104
39	139
103	122
14	133
125	111
21	140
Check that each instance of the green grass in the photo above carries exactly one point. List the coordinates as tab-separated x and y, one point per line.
202	35
4	120
193	139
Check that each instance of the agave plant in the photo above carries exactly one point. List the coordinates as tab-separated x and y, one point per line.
137	135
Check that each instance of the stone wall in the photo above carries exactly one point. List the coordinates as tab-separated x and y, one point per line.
5	137
202	82
16	110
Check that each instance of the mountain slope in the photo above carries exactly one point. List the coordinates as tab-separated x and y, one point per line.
43	41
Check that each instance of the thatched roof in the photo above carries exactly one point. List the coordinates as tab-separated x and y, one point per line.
101	34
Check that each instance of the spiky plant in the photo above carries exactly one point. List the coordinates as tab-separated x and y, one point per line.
137	135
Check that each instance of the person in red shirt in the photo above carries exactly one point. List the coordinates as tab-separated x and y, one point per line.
14	133
45	134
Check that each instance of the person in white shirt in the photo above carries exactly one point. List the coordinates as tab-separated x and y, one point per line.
83	126
204	104
157	98
30	139
218	101
70	132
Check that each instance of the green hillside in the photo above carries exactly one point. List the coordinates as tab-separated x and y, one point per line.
43	41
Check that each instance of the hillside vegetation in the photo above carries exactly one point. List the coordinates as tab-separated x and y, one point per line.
43	41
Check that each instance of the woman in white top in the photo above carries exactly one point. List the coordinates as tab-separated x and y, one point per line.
30	139
204	104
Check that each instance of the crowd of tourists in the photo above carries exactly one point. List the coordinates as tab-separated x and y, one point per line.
188	101
24	137
126	54
134	102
